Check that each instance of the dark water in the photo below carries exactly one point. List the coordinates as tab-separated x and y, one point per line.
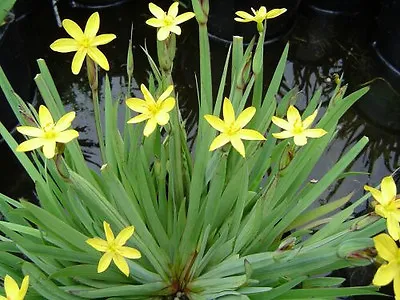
320	47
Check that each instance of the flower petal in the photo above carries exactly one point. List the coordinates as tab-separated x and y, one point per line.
175	29
273	13
238	145
386	247
98	244
98	57
242	20
385	274
138	105
162	118
396	285
64	45
282	123
77	61
104	262
154	22
282	135
216	122
245	16
30	145
129	252
251	135
66	136
293	114
11	287
163	33
219	141
150	127
31	131
65	121
121	263
245	116
92	25
309	120
103	39
300	139
73	30
375	193
24	287
156	11
166	94
167	105
45	118
124	235
108	232
381	210
147	96
393	227
314	133
139	118
49	148
388	189
228	112
173	9
184	17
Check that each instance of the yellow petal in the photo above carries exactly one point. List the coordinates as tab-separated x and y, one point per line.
73	30
166	94
175	29
163	33
385	274
300	139
388	188
309	120
314	133
129	252
219	141
167	105
273	13
77	61
375	193
262	12
121	263
216	122
30	145
396	285
245	116
24	287
3	298
108	232
139	118
154	22
156	11
45	117
228	112
242	20
103	39
66	136
137	105
162	118
64	45
282	135
282	123
381	210
238	145
393	227
98	244
245	16
173	9
49	148
150	127
251	135
184	17
386	247
293	114
104	262
31	131
92	25
147	96
124	235
98	57
65	121
11	287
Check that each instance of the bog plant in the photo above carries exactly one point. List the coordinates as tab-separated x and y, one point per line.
231	219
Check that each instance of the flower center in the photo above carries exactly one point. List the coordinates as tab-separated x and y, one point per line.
232	129
112	247
298	127
85	42
169	21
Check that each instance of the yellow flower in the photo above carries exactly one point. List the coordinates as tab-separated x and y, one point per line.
49	134
150	110
167	22
12	290
232	129
259	16
388	206
84	43
114	249
295	127
388	250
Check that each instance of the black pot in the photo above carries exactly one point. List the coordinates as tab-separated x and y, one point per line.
222	26
387	43
96	4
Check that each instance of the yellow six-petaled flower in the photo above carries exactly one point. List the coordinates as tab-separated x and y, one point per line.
84	43
13	292
167	22
296	128
259	16
388	206
48	134
232	129
114	249
155	112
